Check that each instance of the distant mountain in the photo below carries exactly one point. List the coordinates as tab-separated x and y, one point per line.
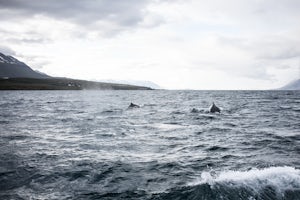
135	82
294	85
16	75
61	84
11	67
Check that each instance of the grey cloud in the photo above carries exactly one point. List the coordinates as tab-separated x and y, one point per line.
7	51
283	53
266	48
272	51
123	13
256	72
39	64
29	37
34	61
16	40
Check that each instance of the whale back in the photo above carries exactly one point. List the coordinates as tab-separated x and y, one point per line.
214	108
132	105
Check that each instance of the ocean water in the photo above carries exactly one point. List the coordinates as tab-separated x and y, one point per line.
88	145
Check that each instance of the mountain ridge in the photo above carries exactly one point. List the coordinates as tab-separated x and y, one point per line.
16	75
11	67
293	85
133	82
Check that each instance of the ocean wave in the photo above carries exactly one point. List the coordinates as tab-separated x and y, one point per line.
281	179
268	183
63	145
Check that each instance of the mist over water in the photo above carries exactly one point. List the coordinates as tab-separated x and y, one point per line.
88	145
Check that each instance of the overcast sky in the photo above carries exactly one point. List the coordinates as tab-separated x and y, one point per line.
178	44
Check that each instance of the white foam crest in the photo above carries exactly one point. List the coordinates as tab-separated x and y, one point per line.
164	126
281	178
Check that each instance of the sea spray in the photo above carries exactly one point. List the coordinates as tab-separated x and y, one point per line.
281	179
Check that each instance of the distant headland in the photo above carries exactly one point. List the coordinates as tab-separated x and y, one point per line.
16	75
294	85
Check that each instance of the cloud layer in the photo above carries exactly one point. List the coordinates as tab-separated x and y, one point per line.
196	44
123	13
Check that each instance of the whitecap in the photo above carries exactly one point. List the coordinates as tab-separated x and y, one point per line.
280	178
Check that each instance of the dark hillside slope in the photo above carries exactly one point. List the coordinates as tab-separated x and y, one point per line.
10	67
16	75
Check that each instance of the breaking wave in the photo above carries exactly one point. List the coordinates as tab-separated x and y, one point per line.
268	183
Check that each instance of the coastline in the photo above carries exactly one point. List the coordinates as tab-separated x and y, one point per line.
62	84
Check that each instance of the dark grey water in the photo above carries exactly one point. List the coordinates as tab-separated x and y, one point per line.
87	145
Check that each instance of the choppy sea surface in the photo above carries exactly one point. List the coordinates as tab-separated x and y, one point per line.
88	145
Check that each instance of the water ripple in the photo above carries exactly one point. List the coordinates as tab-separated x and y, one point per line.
88	145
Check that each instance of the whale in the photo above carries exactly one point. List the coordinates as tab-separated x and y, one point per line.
132	105
194	110
213	108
